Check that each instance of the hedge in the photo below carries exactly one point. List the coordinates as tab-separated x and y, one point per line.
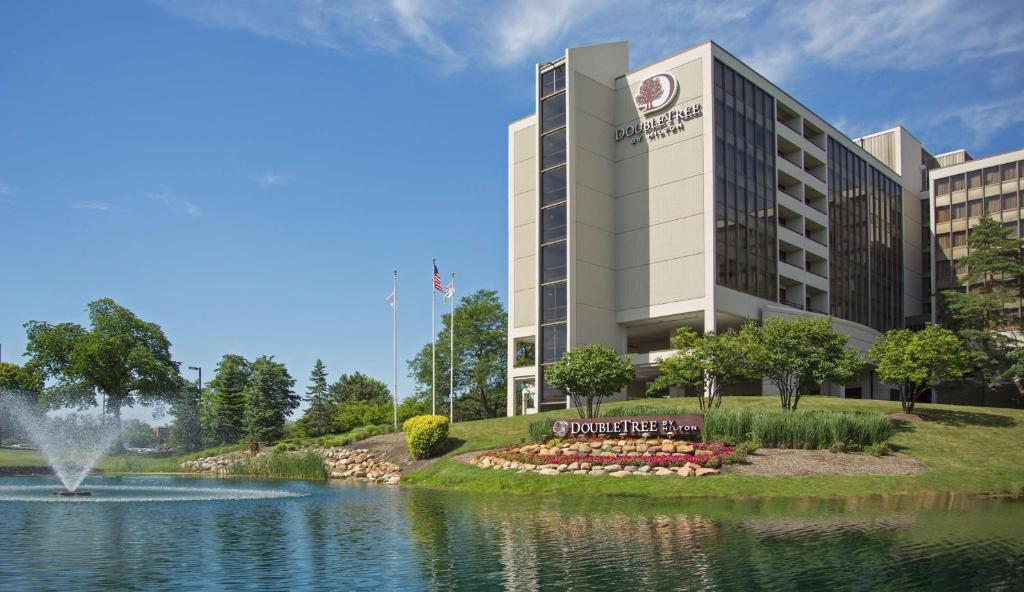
425	434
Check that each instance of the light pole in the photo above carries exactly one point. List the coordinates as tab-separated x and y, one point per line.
200	371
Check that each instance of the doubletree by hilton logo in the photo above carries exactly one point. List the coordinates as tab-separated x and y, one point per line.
656	93
653	95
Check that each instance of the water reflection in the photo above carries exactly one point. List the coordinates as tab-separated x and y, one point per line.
345	537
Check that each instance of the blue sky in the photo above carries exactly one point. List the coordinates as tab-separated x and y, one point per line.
248	174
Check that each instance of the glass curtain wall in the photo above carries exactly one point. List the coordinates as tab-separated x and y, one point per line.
865	241
553	212
745	226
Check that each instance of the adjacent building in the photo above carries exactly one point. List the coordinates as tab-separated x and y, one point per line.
694	192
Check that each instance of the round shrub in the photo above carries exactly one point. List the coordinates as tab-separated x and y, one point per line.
425	434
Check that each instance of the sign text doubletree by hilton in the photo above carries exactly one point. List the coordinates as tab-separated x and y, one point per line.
658	425
655	94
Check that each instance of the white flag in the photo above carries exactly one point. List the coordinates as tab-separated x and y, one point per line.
449	290
392	299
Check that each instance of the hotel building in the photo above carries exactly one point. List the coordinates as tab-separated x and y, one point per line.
694	192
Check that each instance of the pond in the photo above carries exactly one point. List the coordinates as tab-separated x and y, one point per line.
174	533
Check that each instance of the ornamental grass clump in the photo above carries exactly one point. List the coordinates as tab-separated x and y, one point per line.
288	465
540	428
425	435
810	430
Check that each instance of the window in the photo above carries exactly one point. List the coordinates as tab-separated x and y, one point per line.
1009	171
524	352
552	81
960	238
552	224
975	208
552	262
958	182
974	179
553	337
1012	227
1010	201
992	175
552	113
552	185
942	186
942	214
553	306
553	149
959	211
992	204
944	241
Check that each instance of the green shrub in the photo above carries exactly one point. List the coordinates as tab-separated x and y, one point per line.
540	428
811	430
425	434
354	414
880	449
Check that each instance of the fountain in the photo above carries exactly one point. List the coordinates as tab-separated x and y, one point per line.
71	443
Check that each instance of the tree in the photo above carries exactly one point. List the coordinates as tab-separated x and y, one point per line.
590	373
706	362
269	400
795	353
319	417
982	315
187	429
358	387
480	358
139	434
226	410
918	360
126	359
20	384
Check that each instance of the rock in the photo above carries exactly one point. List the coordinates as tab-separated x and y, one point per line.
701	472
562	468
703	452
597	471
644	469
585	466
573	466
580	472
620	474
693	466
667	443
612	468
662	472
641	448
653	449
629	468
685	471
629	448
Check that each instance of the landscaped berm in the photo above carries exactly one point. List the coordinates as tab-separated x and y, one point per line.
831	447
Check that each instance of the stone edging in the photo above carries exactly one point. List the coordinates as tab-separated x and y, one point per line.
357	464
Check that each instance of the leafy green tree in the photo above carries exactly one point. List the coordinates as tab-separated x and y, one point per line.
358	387
269	399
797	352
354	414
126	359
319	417
226	410
917	361
982	315
20	384
590	374
480	359
139	434
705	363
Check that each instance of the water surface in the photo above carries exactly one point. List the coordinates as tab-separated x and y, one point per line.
288	535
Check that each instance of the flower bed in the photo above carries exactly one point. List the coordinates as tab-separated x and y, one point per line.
613	457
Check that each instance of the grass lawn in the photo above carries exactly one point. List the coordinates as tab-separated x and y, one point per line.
21	458
968	450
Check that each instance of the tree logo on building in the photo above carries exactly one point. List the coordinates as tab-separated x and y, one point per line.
560	428
656	93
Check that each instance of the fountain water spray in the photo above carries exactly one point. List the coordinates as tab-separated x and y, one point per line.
71	443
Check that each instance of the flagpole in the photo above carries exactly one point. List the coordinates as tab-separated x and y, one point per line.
394	344
451	358
433	342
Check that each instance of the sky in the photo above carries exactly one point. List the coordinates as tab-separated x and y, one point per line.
248	173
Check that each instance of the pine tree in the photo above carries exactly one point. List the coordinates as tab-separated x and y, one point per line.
270	399
229	385
319	417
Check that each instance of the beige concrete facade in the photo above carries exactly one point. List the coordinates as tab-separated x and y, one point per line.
640	210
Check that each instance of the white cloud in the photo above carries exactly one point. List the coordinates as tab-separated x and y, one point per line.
982	120
101	206
269	179
6	189
176	204
780	38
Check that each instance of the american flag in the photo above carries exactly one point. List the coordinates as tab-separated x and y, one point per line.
437	280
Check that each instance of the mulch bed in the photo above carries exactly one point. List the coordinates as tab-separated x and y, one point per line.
783	462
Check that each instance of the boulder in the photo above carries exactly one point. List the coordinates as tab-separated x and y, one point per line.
548	471
620	474
612	468
701	472
662	472
685	472
644	469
